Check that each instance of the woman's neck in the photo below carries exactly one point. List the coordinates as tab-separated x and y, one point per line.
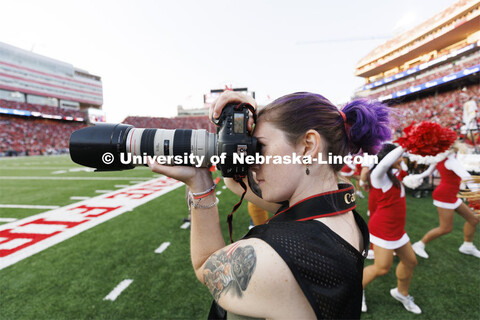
313	184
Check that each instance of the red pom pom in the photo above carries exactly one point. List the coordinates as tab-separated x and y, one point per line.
427	138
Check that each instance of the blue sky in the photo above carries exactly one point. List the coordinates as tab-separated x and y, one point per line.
155	55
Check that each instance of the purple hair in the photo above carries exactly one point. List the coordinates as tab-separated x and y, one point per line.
369	123
366	127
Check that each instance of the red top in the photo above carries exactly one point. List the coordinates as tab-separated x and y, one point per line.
449	185
388	220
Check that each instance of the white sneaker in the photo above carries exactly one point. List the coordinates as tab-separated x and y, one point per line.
364	305
469	249
368	213
371	254
360	194
406	301
419	248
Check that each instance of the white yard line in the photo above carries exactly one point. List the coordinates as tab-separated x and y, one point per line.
8	219
26	206
118	290
121	186
162	247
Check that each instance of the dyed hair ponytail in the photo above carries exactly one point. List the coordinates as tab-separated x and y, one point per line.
367	125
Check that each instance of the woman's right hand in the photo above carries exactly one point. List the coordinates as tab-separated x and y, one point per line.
231	97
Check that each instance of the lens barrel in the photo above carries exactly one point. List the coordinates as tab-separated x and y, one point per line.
92	146
113	147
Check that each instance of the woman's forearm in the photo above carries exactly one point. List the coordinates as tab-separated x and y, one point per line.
206	235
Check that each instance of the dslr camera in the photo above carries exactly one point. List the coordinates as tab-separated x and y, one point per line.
88	146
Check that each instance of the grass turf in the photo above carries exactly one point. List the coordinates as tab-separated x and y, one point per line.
70	279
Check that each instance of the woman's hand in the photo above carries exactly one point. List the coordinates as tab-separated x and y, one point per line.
197	179
231	97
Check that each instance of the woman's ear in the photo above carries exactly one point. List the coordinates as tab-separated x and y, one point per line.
312	143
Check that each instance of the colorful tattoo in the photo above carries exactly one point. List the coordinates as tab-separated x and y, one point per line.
230	270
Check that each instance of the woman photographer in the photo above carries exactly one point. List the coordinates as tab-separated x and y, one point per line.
307	261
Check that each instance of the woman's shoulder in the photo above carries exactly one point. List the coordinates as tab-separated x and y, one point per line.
255	281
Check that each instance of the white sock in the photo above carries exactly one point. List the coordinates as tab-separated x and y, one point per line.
421	244
468	244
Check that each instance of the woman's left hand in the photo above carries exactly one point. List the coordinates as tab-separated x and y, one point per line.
197	179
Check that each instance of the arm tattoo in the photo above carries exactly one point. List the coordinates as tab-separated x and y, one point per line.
230	270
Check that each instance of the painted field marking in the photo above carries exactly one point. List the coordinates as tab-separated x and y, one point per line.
8	219
134	182
26	206
219	193
51	227
121	186
118	290
103	191
73	178
79	198
59	171
13	244
185	225
162	247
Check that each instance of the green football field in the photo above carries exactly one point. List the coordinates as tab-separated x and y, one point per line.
71	279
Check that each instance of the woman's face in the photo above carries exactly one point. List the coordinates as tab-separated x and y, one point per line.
278	182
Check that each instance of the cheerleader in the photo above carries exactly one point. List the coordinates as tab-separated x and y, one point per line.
387	228
446	201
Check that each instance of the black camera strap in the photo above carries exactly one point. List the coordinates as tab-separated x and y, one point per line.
238	179
322	205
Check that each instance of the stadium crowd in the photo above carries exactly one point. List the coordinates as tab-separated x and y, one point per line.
29	136
445	109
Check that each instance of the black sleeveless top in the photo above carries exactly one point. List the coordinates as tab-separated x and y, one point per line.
327	268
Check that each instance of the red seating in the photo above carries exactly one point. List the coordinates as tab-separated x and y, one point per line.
22	135
445	109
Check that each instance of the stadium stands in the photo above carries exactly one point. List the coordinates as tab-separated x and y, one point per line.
445	108
29	136
435	73
43	109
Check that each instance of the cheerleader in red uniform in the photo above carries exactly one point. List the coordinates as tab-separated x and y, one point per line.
446	201
387	228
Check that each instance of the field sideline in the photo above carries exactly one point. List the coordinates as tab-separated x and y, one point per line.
78	278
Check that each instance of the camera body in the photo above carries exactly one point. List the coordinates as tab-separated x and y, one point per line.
88	146
233	138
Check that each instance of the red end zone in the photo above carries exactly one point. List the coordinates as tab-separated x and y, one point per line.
23	238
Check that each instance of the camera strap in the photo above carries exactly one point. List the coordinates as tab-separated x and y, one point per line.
238	179
322	205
